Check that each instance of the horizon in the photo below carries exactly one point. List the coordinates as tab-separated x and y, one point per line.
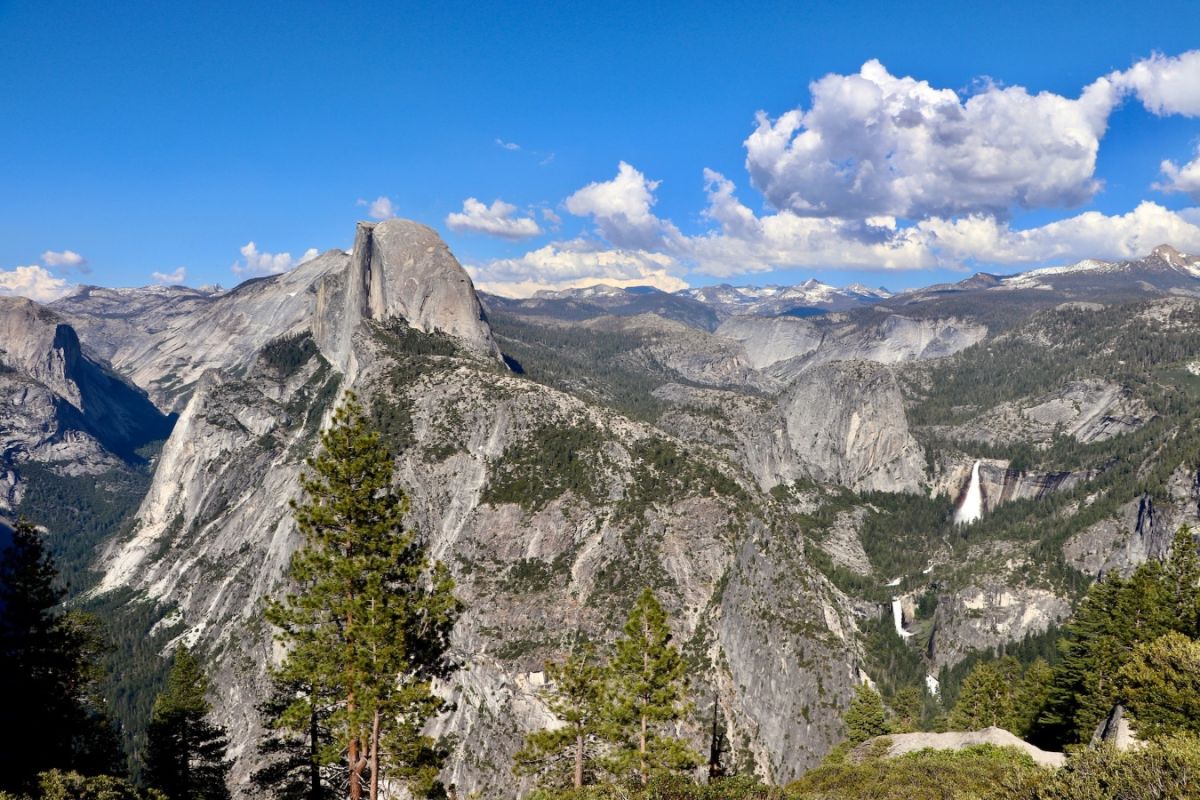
744	150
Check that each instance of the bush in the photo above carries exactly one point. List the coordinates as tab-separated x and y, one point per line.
1165	770
976	773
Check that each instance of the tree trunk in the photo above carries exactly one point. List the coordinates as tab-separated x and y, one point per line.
314	762
375	756
356	763
579	760
642	739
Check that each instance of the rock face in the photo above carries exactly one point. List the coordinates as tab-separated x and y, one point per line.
398	269
846	422
60	408
214	534
901	743
789	346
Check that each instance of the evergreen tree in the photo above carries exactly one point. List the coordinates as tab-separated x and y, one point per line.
185	751
866	716
987	696
296	765
566	756
1113	620
648	682
907	706
51	715
371	618
1161	685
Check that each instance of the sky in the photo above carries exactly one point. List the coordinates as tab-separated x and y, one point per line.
556	145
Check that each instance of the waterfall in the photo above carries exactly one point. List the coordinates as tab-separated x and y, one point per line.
972	504
898	618
932	686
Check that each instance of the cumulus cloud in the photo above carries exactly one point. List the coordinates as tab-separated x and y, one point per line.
1164	84
499	219
876	144
1184	178
574	264
255	262
170	278
35	282
621	209
65	261
379	208
1087	235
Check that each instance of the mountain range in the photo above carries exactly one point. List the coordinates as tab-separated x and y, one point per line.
786	466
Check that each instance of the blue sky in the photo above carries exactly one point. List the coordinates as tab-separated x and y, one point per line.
142	139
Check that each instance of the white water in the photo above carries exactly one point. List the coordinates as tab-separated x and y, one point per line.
898	618
972	505
931	683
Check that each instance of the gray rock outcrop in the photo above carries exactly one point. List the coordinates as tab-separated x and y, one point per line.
899	744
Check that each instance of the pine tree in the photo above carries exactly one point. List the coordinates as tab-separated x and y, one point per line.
1161	684
907	705
298	765
648	679
52	715
371	617
566	756
185	750
866	716
987	696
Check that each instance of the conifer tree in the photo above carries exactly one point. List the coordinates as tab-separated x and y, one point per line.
987	696
297	765
1161	684
567	756
51	715
648	679
185	750
371	616
866	716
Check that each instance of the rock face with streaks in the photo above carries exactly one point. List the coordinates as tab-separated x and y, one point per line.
60	408
846	422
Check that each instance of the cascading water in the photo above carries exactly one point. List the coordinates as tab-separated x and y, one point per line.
972	504
898	618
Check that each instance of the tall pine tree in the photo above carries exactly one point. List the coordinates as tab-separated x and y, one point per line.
567	756
370	617
51	715
648	679
866	716
185	750
297	764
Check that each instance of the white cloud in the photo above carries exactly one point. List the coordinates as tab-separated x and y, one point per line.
170	278
495	220
873	143
36	283
256	263
1164	84
1087	235
65	261
621	209
508	145
381	207
1184	178
574	264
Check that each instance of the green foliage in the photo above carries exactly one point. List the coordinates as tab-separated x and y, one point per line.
569	756
370	616
1161	770
286	355
291	766
648	682
599	366
1000	693
1161	685
550	460
866	716
185	751
1115	617
59	785
974	773
667	786
51	715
